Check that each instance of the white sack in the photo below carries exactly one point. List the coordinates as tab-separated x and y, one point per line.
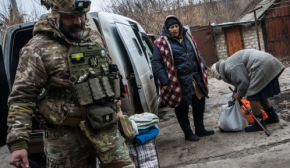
232	118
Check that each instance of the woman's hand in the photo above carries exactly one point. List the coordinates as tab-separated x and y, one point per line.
237	96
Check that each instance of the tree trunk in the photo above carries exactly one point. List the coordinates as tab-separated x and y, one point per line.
15	10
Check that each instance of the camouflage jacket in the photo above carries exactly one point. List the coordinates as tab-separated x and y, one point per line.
42	64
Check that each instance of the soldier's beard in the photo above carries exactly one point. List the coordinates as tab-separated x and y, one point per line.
74	32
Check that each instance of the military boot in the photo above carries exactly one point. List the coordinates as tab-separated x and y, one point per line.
272	116
256	126
189	135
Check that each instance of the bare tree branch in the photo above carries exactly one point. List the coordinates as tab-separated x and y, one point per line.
15	10
151	13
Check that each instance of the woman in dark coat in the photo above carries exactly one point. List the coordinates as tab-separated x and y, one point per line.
189	67
255	75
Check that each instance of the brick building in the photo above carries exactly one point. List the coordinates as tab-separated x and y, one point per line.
224	39
232	37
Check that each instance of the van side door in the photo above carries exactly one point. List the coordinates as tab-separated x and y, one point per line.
141	64
148	47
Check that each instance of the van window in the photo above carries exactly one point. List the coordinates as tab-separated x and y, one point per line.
149	52
137	46
136	31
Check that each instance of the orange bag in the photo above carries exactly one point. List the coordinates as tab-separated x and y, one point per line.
247	114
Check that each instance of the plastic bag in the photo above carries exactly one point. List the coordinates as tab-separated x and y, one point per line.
232	118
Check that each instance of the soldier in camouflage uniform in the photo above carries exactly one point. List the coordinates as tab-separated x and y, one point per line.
43	63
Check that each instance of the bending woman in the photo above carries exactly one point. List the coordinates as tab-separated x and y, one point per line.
255	75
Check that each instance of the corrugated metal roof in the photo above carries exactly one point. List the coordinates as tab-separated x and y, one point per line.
217	28
266	4
230	24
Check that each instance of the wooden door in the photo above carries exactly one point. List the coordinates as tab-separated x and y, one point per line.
278	36
206	45
234	39
276	30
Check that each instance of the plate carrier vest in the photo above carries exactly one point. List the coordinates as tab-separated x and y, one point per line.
90	74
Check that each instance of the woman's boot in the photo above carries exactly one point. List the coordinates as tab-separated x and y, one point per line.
199	126
256	126
272	116
200	130
189	135
182	117
198	107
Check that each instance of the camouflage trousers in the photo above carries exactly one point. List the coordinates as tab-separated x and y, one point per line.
68	147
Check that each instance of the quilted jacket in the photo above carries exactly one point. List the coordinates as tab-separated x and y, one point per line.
185	62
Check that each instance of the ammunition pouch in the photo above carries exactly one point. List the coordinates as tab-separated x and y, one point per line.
100	116
84	94
115	83
98	88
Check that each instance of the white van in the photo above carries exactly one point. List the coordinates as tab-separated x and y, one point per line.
129	48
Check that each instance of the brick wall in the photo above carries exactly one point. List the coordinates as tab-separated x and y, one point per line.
250	38
250	41
221	47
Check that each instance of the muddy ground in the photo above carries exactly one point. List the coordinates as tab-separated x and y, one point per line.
281	104
223	149
226	149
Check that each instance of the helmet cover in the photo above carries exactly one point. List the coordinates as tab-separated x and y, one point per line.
66	7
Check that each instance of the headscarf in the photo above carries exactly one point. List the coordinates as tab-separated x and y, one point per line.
215	70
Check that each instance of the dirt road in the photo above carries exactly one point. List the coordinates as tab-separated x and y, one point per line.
225	149
5	157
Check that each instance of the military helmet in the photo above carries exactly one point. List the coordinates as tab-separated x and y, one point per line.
66	7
